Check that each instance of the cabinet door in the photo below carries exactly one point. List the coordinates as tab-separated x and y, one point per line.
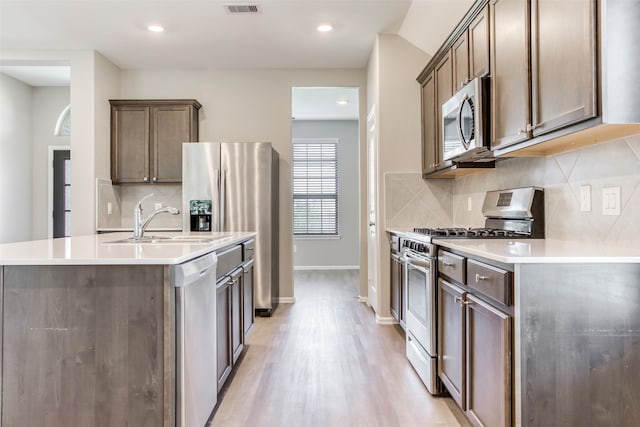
488	364
248	310
429	120
237	332
479	44
171	126
460	58
444	91
129	144
510	100
396	287
451	341
223	327
563	63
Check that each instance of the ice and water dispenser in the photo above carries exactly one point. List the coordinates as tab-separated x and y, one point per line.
200	212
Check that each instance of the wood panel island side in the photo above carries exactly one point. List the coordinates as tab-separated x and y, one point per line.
89	330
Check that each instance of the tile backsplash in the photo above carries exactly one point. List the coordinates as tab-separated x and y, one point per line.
123	199
611	164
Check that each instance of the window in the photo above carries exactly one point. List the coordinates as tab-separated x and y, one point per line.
315	187
63	125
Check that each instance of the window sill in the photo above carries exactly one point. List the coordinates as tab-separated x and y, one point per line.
326	237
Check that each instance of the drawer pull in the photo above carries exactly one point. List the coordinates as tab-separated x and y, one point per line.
479	278
447	264
467	302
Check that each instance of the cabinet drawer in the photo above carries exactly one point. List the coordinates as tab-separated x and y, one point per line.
229	260
451	265
491	281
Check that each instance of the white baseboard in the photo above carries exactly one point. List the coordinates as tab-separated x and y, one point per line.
326	267
363	299
286	300
385	320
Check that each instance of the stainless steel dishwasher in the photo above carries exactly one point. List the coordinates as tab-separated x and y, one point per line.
196	385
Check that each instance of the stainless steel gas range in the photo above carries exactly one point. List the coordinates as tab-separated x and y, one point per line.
512	213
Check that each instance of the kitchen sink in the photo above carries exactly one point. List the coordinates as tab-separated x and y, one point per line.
195	240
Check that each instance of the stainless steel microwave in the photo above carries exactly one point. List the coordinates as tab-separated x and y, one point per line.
464	123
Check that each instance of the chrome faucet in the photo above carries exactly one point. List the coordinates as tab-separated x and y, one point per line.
139	225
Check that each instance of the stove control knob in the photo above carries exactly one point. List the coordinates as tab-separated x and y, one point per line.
422	248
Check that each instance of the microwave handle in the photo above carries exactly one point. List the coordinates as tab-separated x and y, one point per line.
459	122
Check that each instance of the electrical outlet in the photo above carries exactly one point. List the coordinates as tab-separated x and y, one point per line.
611	201
469	203
109	208
585	198
158	206
294	248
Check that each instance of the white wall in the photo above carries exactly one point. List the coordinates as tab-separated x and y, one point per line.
345	250
245	105
399	133
16	159
48	103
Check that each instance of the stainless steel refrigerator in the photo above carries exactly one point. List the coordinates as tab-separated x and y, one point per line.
234	187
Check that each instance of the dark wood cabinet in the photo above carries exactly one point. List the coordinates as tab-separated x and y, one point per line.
247	298
563	63
479	44
444	91
237	331
451	341
147	137
488	332
223	330
510	99
429	126
396	288
460	64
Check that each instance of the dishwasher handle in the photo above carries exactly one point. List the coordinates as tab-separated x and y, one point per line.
192	271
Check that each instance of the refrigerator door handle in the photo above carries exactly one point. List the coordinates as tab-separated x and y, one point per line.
223	185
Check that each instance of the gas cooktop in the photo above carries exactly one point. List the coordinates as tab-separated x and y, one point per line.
469	232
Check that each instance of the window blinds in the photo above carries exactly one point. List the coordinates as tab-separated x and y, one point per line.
315	187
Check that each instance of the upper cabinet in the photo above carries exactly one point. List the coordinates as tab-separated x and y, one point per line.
147	137
563	75
557	40
510	101
429	138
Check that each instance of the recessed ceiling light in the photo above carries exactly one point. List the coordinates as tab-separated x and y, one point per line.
342	102
155	28
324	28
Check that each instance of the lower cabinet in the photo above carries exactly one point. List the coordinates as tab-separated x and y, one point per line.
223	329
451	341
488	364
247	297
237	331
474	344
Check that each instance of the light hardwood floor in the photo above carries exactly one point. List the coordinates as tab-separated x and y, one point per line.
324	361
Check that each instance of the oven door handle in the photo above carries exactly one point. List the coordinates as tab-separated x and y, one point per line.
416	262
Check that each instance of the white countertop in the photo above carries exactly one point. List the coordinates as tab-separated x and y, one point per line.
95	249
535	251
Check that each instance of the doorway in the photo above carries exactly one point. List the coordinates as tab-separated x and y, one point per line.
325	169
372	193
60	192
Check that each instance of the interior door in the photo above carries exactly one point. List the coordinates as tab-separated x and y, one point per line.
61	193
372	176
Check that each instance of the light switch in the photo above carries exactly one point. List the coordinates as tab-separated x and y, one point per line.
158	206
585	198
469	203
611	201
109	208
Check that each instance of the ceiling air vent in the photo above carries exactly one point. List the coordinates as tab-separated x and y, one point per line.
242	9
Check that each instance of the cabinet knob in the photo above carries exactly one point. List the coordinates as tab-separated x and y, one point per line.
479	278
146	179
447	264
155	178
531	127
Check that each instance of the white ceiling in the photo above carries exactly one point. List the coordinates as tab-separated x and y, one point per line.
39	75
320	103
200	34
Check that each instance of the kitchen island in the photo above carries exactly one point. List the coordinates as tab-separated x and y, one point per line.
89	328
557	321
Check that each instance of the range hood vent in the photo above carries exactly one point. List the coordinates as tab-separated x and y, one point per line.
242	9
